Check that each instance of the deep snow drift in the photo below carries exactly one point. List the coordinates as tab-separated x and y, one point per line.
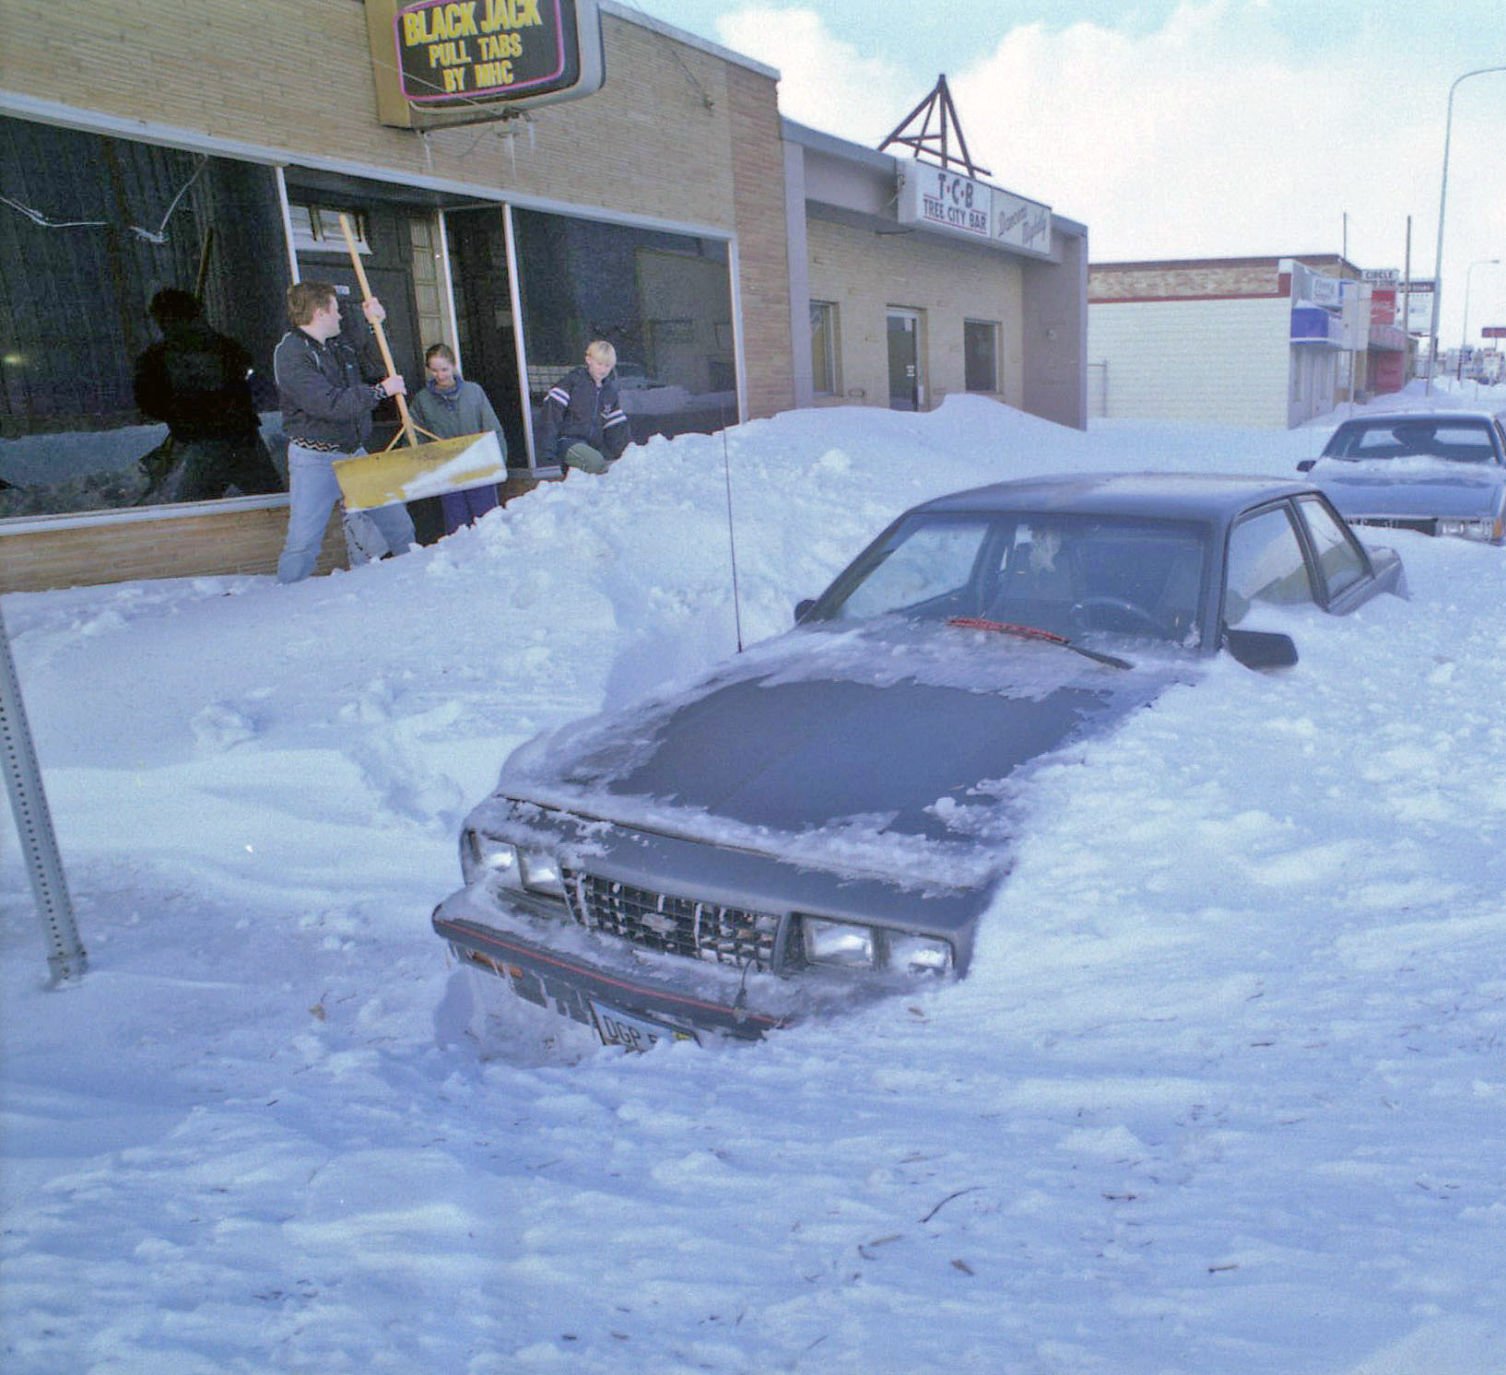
1224	1092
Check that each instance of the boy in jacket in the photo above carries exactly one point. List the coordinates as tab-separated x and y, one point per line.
582	425
327	403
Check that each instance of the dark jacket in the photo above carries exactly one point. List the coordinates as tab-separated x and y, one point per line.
196	380
579	411
325	389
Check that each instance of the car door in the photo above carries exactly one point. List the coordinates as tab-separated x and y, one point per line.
1268	564
1343	571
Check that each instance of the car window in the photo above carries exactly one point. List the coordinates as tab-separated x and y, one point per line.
1454	440
1339	555
1119	574
1066	573
926	560
1266	564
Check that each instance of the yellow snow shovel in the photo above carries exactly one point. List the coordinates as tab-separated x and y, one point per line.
420	469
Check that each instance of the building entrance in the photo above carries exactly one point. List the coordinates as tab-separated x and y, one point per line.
484	325
904	360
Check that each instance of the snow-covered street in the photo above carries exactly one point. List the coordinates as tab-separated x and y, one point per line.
1224	1092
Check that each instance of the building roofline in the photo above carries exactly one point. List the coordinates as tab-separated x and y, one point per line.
1274	261
633	15
887	164
819	142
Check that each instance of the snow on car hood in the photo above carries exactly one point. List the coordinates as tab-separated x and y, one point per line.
1411	486
893	738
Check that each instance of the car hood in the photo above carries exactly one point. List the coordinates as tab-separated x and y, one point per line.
920	732
1402	487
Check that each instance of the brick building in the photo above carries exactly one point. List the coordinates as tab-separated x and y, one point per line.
671	211
1243	341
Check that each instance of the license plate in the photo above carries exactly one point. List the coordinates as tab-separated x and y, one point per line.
618	1028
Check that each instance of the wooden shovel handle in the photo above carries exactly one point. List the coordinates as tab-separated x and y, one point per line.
381	334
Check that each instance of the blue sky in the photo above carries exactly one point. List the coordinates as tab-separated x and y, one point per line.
1206	128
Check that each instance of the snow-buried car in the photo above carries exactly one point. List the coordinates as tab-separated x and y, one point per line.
1440	472
823	819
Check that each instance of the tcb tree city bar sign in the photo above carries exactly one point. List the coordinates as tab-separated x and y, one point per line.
939	199
440	62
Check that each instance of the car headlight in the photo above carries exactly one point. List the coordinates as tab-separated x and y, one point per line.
920	954
539	872
483	855
1483	528
851	945
841	943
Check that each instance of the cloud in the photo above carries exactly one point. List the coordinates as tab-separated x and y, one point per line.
1215	134
824	82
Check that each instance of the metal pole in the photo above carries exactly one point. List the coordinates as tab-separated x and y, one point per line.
1448	131
66	957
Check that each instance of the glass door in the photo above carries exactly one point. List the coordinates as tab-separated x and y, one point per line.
904	360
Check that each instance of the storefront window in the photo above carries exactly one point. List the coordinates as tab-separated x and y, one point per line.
980	343
662	300
824	348
93	228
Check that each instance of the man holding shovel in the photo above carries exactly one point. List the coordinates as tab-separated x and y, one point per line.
327	403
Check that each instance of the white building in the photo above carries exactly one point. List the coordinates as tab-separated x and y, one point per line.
1244	341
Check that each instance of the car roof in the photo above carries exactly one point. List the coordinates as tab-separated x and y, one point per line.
1441	417
1167	496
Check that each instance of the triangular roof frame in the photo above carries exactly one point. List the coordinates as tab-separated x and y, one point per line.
914	131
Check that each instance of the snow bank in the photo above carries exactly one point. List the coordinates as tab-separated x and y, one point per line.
1218	1096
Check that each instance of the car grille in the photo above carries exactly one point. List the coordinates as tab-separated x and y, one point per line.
680	926
1424	525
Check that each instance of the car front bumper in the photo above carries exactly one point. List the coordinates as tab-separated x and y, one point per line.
610	1000
629	996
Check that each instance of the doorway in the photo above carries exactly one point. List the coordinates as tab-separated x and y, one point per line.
905	383
484	326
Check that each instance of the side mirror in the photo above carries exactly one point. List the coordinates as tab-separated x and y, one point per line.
1307	465
802	608
1261	648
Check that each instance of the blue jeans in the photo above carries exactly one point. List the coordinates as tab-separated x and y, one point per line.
314	491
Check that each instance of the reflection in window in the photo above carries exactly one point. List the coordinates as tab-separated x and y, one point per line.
824	348
927	559
317	229
75	316
1266	564
662	300
1342	563
980	346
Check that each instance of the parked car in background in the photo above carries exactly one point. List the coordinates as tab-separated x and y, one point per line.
1440	472
824	819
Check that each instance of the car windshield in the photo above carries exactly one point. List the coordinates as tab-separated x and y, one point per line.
1068	574
1455	440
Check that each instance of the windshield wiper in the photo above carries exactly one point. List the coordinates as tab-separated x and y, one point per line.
1031	632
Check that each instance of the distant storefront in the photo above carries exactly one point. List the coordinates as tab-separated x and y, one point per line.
670	211
1243	341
